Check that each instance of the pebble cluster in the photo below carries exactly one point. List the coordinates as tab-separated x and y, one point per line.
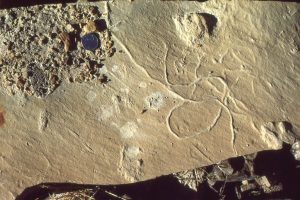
40	47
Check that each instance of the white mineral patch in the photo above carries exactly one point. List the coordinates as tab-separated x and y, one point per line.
104	69
129	130
91	96
115	68
105	113
132	151
131	164
143	85
155	100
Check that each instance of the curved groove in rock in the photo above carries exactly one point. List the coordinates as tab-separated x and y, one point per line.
183	125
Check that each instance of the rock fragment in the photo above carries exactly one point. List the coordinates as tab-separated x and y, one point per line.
295	150
90	27
191	28
65	38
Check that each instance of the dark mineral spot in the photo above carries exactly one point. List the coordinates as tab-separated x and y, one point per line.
45	41
101	24
2	120
144	110
104	79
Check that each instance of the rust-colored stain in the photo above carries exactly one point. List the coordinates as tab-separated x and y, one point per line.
2	119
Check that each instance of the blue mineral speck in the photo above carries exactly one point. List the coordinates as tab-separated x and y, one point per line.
90	41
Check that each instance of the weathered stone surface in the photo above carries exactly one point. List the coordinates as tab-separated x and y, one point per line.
173	103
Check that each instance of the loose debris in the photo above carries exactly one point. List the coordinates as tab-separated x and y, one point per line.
295	150
257	187
86	194
242	176
191	178
81	194
41	47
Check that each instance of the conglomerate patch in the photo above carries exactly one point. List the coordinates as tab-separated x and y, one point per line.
41	47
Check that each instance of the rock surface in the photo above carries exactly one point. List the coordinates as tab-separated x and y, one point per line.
190	84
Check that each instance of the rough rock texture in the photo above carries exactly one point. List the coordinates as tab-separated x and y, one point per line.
33	60
180	96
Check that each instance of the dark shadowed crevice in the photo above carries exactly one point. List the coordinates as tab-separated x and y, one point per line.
211	22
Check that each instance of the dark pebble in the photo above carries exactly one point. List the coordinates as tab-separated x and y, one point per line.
90	41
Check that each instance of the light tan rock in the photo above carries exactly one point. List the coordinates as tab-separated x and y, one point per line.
65	38
90	27
191	28
170	105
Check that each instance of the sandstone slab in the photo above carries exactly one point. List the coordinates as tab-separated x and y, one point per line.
190	84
